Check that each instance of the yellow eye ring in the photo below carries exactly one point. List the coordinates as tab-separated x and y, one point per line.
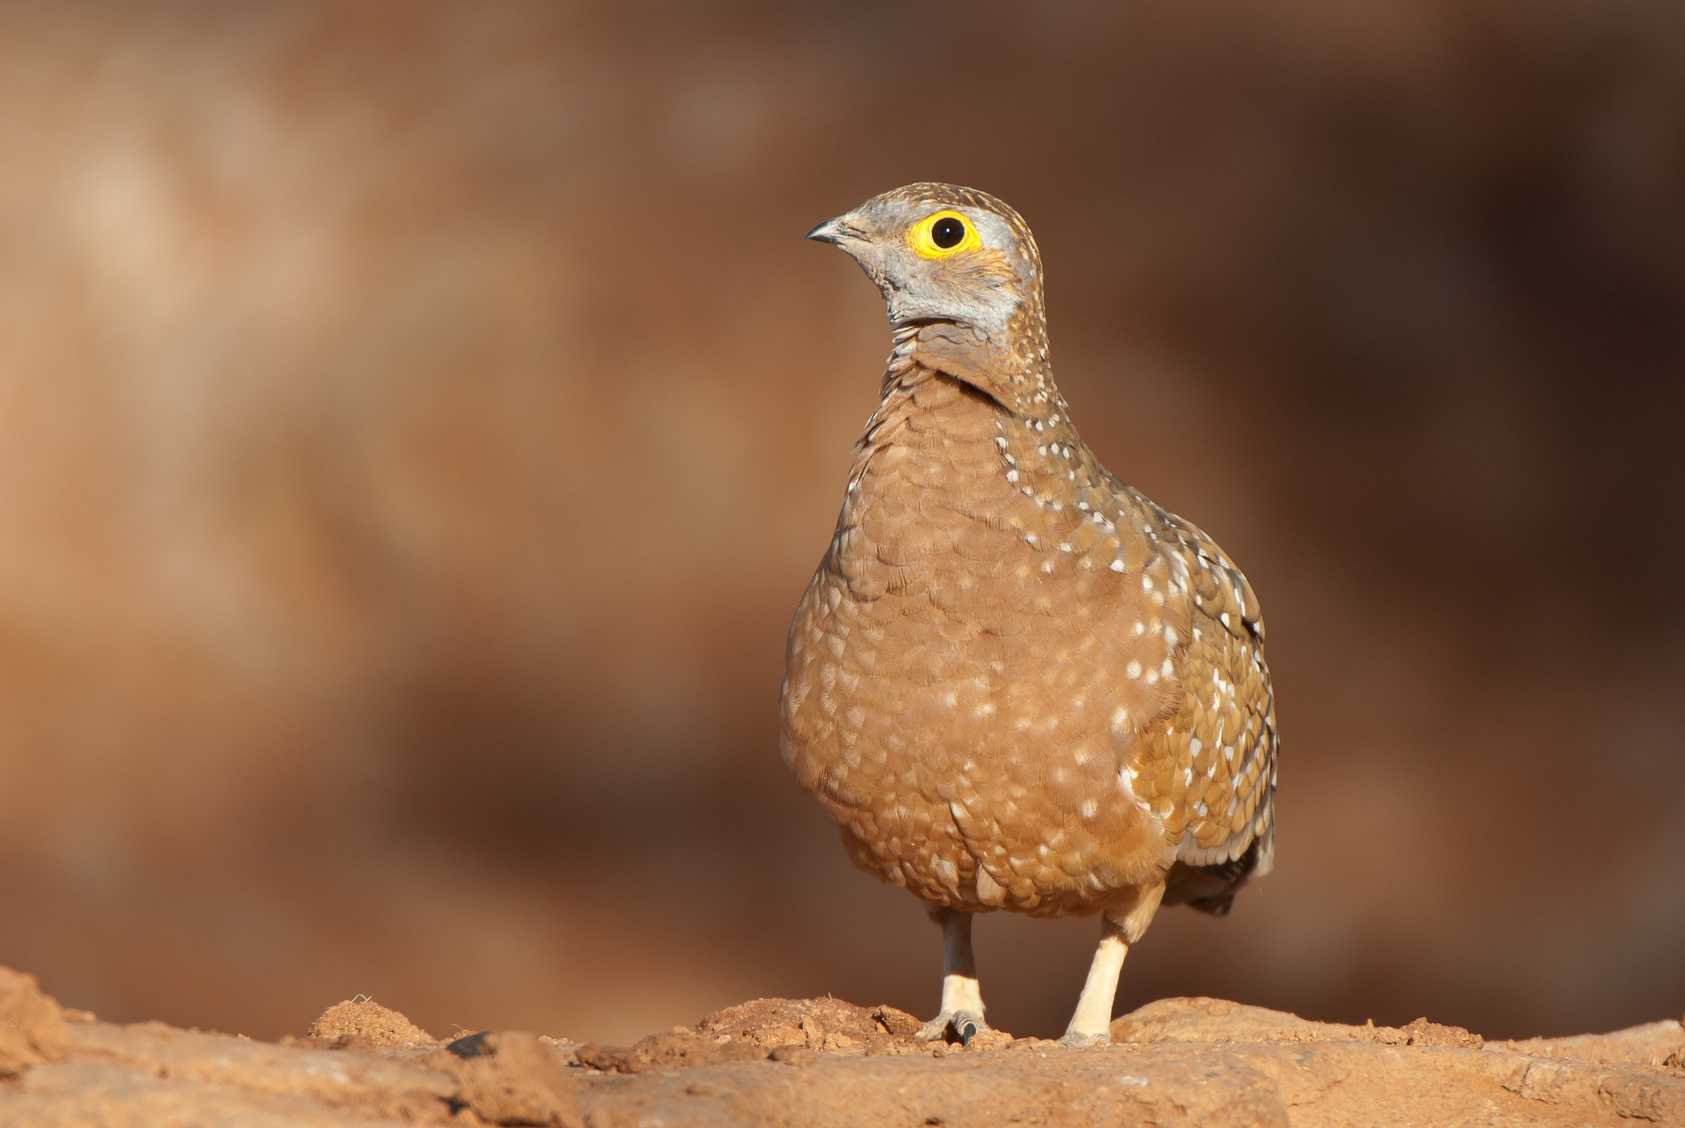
943	235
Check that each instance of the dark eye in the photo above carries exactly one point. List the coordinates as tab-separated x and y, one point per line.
947	232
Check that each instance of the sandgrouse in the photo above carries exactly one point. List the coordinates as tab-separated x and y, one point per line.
1015	681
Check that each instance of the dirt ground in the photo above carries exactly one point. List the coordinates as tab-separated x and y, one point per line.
825	1062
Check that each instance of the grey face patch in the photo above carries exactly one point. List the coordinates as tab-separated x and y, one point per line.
981	288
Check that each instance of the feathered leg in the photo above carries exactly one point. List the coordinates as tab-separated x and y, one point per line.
962	999
1121	925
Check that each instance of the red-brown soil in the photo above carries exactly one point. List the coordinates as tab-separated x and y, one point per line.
824	1062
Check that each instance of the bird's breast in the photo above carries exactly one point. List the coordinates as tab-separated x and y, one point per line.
971	668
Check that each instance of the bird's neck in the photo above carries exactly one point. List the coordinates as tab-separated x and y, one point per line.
1013	368
951	428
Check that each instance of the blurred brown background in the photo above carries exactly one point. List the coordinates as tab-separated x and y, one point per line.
417	422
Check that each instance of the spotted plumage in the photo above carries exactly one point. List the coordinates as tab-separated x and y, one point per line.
1015	681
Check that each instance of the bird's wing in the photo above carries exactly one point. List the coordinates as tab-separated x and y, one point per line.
1221	740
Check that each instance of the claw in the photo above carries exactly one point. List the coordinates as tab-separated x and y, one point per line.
1072	1038
965	1024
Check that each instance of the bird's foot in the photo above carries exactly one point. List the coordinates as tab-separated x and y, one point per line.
1075	1039
965	1024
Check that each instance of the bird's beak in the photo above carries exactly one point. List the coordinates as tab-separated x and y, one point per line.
835	231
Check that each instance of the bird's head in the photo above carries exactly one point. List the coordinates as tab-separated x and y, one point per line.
943	253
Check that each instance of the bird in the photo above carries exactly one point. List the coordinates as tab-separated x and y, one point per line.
1015	681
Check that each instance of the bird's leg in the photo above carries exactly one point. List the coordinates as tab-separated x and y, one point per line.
962	1000
1120	926
1092	1021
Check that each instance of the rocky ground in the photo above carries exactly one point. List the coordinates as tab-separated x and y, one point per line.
824	1062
